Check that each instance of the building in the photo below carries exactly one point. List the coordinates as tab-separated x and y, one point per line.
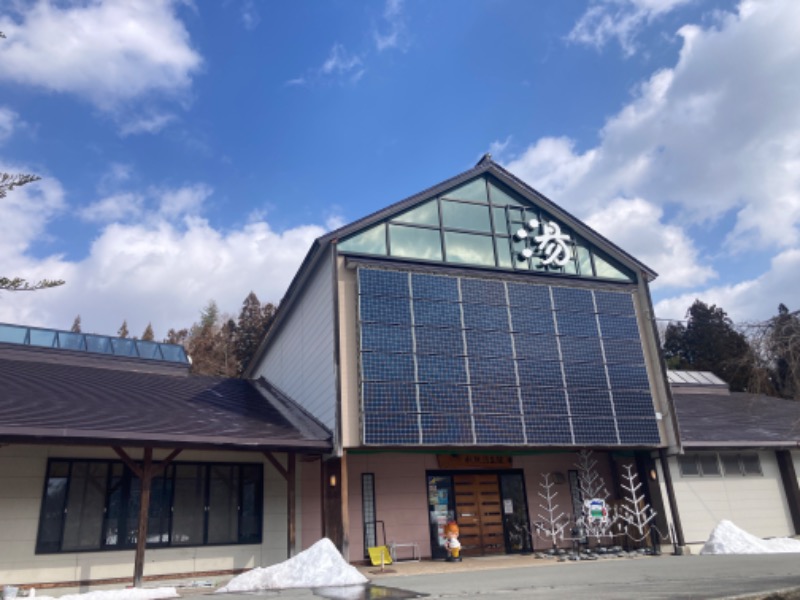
96	432
460	344
739	461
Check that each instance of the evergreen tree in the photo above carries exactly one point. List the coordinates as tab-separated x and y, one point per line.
709	342
76	325
211	346
782	335
250	330
148	335
123	329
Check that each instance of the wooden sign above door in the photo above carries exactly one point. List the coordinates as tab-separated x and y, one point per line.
473	461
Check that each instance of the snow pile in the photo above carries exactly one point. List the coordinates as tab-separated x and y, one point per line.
727	538
126	594
319	566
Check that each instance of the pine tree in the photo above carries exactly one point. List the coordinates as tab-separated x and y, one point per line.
76	325
148	335
123	329
709	342
250	330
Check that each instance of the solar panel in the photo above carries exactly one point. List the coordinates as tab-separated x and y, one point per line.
482	291
573	300
489	343
548	430
437	314
638	431
594	430
434	287
461	372
447	429
529	296
499	429
386	428
434	340
614	302
382	283
387	367
482	316
495	400
389	397
386	338
438	398
385	310
434	367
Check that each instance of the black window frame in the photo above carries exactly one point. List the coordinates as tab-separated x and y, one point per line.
127	478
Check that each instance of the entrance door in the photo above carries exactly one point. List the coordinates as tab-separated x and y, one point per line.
479	514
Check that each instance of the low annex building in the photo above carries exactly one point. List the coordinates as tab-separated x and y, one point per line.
96	430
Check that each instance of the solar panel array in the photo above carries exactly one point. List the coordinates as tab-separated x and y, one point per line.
467	361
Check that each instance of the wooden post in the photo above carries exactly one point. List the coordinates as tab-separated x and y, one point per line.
291	511
145	474
144	511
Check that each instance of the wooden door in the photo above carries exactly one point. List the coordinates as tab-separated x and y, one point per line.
479	514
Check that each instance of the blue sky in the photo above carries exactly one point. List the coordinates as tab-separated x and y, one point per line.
193	150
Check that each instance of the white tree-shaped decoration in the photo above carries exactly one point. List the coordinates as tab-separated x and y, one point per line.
593	487
552	522
634	511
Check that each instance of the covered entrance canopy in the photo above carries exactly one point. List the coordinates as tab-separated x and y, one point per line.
60	396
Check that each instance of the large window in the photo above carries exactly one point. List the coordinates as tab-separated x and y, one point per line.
94	505
482	224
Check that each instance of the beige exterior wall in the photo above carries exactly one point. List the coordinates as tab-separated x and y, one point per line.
753	503
22	477
348	354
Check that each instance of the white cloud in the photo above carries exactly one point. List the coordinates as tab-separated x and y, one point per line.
342	63
392	32
621	19
106	52
152	123
119	207
749	300
250	15
8	122
160	269
716	135
636	226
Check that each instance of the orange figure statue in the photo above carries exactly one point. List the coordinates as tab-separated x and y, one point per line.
451	543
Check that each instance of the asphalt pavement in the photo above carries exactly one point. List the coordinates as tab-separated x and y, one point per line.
753	577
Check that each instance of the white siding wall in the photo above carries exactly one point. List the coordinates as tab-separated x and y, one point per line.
755	504
22	476
300	360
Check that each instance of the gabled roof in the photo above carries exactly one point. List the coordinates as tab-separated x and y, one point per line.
50	402
485	166
737	420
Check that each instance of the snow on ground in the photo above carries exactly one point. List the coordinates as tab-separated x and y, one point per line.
321	565
126	594
727	538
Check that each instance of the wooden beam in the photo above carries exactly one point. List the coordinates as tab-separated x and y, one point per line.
128	461
790	487
291	479
159	468
278	466
144	511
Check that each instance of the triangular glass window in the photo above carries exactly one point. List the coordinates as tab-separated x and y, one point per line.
475	191
371	241
513	232
604	268
425	214
499	197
